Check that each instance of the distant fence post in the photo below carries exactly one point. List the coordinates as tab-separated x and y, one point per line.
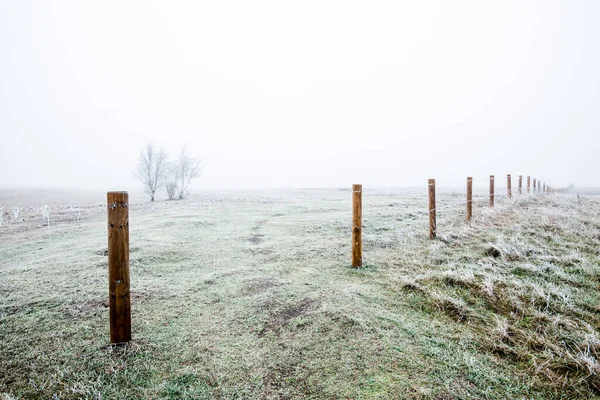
469	198
118	267
432	221
528	184
544	188
357	226
534	185
520	184
508	186
491	190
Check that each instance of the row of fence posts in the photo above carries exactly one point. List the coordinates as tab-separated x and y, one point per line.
357	207
118	244
469	214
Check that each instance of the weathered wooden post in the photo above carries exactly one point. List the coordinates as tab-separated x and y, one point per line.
491	190
357	226
544	188
432	221
469	198
534	185
520	184
528	184
508	186
118	267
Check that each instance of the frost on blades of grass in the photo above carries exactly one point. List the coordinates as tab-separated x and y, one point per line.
252	296
535	304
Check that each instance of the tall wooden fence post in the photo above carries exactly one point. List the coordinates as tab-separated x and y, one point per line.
118	267
491	190
534	185
469	198
544	187
520	184
508	186
432	220
357	226
528	184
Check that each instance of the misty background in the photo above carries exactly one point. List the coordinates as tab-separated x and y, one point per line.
299	94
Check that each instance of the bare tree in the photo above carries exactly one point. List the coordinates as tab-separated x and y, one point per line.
186	169
152	169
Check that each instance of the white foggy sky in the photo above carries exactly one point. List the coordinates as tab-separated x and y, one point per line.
300	94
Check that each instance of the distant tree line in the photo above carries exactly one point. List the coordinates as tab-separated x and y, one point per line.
154	170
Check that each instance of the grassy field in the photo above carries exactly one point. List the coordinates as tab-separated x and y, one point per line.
251	295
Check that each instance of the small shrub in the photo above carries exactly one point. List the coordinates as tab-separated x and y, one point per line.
171	190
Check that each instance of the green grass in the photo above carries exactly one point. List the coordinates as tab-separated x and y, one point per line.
254	298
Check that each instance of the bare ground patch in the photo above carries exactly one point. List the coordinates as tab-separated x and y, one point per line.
280	318
255	238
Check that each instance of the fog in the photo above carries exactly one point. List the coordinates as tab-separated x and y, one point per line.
300	94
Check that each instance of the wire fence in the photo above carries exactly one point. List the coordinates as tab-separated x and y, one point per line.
402	206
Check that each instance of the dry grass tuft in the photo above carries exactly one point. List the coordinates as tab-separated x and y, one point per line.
455	308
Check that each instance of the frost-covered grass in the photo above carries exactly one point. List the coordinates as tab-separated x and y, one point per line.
251	295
